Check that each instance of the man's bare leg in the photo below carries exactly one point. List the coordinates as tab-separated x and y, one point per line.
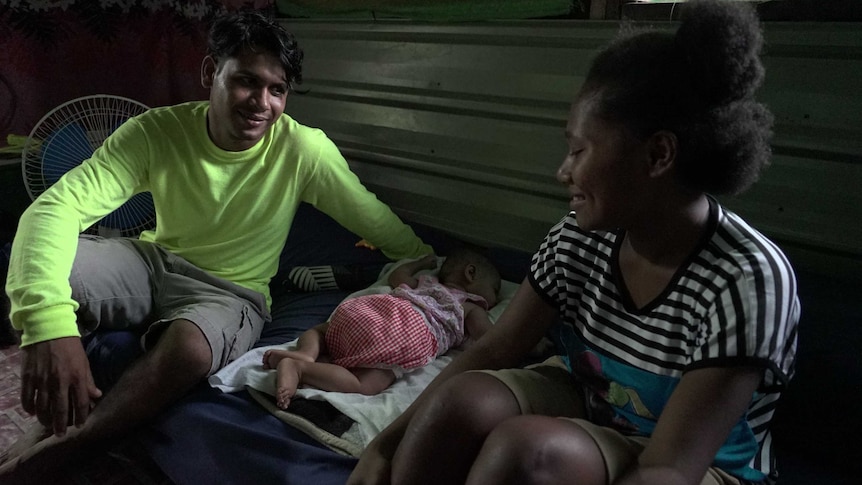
180	359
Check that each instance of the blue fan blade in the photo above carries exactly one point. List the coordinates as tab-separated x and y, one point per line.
65	149
130	214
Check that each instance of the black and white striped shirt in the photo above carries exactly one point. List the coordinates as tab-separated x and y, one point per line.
732	302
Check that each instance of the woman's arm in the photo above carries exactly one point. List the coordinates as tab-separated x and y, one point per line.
405	274
524	322
694	424
476	321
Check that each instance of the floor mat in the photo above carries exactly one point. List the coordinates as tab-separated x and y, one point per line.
125	464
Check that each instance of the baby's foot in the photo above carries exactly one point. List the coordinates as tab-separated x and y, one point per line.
272	357
287	380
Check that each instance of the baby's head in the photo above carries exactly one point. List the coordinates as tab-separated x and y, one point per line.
473	272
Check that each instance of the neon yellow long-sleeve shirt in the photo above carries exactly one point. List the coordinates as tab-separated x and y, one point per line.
229	213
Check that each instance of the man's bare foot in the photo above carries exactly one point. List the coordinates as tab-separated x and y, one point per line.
272	357
42	462
36	433
287	380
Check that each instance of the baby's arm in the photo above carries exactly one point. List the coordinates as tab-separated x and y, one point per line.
405	274
476	321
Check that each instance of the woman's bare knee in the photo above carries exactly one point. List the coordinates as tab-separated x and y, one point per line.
450	429
538	449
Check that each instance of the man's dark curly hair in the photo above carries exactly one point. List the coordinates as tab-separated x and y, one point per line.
232	32
698	83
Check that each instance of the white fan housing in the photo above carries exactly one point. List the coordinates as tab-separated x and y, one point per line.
68	135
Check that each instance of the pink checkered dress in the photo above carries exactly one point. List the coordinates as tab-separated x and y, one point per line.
402	330
379	331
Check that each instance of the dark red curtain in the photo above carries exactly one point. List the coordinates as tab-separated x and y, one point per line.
53	51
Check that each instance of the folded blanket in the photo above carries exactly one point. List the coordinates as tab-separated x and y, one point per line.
312	409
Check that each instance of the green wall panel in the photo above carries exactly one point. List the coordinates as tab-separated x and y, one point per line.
460	126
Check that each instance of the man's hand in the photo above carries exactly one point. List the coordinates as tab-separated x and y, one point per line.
56	383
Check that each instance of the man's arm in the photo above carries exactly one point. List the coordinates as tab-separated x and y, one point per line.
56	382
56	379
334	189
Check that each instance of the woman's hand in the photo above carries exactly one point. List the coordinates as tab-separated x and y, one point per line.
374	467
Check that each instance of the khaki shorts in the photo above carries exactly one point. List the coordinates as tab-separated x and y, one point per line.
127	284
547	389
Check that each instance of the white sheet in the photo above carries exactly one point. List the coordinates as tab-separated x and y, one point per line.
371	413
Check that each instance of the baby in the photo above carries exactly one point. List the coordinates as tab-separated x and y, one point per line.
370	340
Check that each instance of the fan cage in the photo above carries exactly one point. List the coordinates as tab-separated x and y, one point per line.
68	135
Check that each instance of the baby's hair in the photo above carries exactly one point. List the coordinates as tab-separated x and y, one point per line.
698	83
461	256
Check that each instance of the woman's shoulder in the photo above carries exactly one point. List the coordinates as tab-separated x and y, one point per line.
567	237
738	247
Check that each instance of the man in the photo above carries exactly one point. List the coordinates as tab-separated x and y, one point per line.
226	176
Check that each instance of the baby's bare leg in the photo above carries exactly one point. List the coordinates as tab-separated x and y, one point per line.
293	373
332	377
272	357
373	381
309	346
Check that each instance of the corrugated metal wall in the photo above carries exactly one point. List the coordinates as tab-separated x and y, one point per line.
461	126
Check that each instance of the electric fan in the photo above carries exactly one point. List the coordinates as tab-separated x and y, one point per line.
68	135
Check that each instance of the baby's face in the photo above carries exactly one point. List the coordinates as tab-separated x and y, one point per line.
487	288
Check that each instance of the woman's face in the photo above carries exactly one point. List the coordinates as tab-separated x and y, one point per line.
604	169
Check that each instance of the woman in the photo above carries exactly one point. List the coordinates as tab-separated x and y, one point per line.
677	319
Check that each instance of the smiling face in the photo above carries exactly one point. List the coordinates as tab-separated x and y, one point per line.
247	95
602	169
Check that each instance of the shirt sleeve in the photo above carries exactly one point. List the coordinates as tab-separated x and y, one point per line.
753	320
545	276
47	238
337	191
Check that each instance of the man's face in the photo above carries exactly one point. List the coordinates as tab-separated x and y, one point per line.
247	95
